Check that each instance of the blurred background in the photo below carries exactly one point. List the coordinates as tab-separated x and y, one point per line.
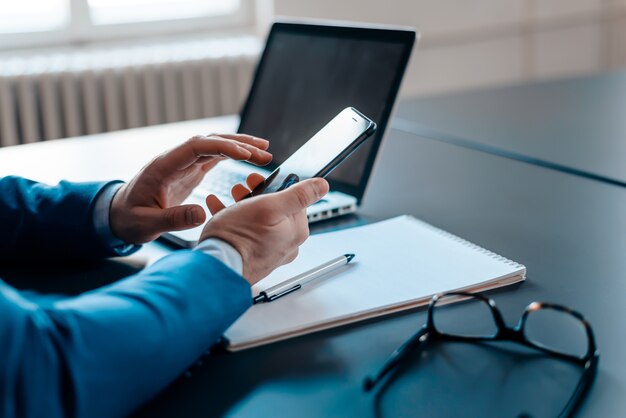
75	67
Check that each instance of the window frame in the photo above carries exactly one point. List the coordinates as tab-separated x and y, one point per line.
81	30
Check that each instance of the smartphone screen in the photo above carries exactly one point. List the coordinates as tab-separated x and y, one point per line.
322	153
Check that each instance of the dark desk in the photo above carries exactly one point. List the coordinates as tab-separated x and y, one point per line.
576	125
570	233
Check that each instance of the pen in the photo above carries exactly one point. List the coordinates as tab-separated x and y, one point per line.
295	283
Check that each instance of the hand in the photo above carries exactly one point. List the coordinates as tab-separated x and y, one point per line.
150	204
266	229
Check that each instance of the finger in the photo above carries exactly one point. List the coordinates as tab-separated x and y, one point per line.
214	204
302	195
198	147
179	217
258	156
253	180
239	191
248	139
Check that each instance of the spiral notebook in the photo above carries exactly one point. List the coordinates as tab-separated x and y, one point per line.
400	263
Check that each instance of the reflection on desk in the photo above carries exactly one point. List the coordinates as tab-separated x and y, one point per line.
575	125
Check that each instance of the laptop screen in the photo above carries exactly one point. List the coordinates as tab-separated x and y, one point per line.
309	73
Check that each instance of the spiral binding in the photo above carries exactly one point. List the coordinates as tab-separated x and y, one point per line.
467	243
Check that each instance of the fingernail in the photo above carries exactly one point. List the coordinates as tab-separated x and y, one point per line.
192	216
320	187
198	216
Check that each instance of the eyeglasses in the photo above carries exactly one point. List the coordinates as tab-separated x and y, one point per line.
552	329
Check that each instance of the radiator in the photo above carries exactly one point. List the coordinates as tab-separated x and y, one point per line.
69	94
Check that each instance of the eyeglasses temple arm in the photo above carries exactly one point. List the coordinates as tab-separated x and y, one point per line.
584	384
396	358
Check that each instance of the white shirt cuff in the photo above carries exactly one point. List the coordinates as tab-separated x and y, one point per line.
224	252
101	222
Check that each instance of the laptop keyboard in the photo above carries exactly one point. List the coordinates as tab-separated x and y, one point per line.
219	182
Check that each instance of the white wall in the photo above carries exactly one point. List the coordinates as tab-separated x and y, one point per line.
475	43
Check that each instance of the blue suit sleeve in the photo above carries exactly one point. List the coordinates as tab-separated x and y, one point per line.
104	353
48	221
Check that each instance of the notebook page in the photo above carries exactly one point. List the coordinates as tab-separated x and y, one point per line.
397	260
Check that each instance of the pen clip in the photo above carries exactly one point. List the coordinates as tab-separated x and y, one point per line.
283	293
263	297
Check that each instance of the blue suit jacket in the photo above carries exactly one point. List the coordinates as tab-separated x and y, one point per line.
105	352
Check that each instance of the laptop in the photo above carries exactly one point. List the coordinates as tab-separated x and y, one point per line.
306	75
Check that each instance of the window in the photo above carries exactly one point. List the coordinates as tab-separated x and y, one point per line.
45	22
118	11
33	15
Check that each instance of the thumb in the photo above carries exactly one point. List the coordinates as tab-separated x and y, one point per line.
180	217
303	194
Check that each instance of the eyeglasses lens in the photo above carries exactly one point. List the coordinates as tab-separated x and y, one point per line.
557	331
469	318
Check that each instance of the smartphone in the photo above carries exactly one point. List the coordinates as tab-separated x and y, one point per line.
322	153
